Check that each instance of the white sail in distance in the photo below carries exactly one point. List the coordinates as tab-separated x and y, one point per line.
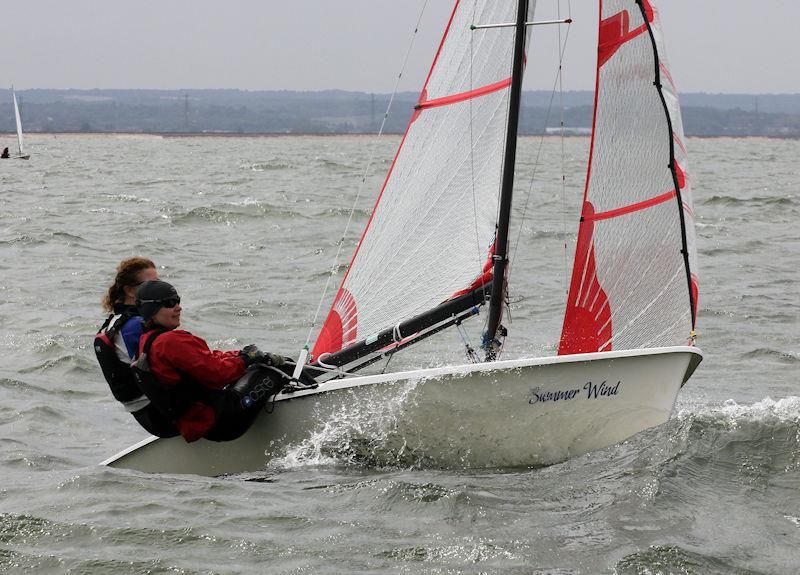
20	140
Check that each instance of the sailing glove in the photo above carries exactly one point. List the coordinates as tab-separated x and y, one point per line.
251	354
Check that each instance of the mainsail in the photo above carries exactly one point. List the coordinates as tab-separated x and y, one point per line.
19	124
431	234
634	282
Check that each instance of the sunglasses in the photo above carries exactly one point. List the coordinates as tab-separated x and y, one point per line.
168	302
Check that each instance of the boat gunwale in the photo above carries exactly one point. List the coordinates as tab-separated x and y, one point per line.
502	365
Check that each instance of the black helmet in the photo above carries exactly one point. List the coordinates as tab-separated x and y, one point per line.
153	295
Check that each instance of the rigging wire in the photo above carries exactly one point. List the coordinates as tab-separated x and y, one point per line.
388	360
472	161
561	49
335	265
472	145
556	83
472	355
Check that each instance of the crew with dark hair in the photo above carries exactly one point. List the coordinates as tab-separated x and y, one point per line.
206	393
5	155
117	342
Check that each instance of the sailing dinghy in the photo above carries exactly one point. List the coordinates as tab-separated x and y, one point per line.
435	253
22	155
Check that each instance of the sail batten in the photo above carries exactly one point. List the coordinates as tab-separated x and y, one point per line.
455	98
630	208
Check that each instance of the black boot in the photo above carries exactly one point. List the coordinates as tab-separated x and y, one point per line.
256	386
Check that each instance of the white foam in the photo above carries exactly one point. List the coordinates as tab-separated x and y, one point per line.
767	409
371	421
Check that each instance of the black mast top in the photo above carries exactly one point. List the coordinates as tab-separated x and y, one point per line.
506	190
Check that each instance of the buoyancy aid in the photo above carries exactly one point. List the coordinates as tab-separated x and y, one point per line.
120	378
173	401
116	372
199	411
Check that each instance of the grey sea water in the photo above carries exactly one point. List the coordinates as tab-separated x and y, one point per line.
247	228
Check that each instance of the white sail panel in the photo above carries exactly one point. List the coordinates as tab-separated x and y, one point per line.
630	286
433	226
19	124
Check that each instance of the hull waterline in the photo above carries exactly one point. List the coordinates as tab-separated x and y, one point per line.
512	413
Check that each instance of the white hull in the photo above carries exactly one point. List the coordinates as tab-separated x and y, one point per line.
482	415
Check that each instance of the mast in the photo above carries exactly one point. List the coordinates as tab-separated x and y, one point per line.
507	186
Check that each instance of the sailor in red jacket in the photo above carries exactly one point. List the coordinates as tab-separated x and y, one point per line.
206	393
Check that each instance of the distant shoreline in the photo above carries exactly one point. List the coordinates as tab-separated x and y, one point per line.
236	113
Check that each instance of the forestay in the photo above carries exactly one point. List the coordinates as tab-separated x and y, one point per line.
634	280
432	230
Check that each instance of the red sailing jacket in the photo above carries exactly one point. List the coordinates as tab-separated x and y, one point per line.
177	351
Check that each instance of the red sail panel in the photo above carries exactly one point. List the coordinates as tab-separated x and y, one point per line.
587	321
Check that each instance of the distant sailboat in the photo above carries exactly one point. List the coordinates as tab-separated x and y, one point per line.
20	141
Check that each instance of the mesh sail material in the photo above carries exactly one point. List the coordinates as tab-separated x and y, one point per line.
433	226
629	285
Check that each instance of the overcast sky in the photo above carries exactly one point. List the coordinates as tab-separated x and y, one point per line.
742	46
